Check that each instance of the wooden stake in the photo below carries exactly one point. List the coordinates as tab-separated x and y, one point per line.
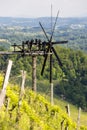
78	119
22	87
68	112
21	94
3	92
23	80
51	96
8	101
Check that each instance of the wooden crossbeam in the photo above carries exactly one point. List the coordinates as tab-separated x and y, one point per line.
32	53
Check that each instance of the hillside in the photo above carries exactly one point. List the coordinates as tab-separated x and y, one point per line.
18	29
32	112
73	110
70	80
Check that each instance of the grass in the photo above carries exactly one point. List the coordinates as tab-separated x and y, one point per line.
73	110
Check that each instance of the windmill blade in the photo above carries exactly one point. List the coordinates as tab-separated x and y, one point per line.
44	31
54	26
50	48
44	64
59	42
59	61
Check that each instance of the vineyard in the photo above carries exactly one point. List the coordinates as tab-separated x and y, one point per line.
27	110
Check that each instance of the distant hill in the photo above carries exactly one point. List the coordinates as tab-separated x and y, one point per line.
72	29
35	21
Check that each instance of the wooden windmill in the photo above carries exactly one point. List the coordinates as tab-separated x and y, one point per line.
52	51
37	47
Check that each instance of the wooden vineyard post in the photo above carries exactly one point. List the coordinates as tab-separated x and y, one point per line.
68	112
8	101
51	96
21	94
34	58
22	90
3	92
78	119
23	80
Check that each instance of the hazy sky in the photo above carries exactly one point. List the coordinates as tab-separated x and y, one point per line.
41	8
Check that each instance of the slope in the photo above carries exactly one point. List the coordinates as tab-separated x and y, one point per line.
31	111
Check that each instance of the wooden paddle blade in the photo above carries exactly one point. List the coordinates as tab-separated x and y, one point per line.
59	61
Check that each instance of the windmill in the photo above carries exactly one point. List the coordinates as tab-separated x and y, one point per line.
37	47
52	51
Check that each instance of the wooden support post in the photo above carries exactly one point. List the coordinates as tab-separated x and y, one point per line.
51	96
7	75
51	81
68	112
3	92
8	101
34	58
22	87
62	124
21	94
78	119
23	80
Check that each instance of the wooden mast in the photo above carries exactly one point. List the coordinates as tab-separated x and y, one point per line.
34	59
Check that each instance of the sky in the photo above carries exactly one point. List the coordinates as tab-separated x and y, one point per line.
42	8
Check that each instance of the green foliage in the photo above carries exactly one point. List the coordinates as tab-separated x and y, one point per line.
69	81
73	85
34	113
1	81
